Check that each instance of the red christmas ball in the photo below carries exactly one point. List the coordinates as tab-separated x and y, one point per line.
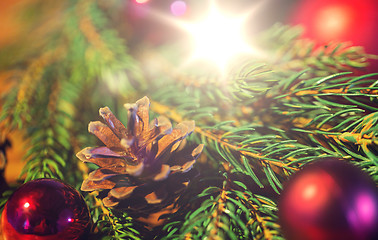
354	21
45	209
329	199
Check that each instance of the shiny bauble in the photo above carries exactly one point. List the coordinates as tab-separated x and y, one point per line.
45	209
354	21
329	199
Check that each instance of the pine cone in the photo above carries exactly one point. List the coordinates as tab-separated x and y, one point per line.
142	167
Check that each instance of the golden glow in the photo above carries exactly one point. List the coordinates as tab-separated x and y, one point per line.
141	1
218	38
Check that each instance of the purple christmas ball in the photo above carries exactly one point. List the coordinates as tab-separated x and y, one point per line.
329	199
45	209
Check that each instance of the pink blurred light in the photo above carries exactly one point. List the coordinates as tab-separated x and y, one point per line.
178	8
365	208
363	216
138	10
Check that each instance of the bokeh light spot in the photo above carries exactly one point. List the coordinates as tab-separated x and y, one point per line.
141	1
366	208
178	8
333	22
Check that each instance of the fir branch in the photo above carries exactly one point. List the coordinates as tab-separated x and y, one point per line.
105	54
250	153
256	123
60	75
49	139
90	32
106	224
16	109
289	53
251	80
240	84
318	103
328	113
359	143
228	212
110	225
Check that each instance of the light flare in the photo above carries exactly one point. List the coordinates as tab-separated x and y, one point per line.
218	38
141	1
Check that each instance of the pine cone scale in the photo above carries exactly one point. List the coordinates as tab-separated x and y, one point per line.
113	123
122	192
177	134
100	174
143	106
105	134
104	157
89	185
163	174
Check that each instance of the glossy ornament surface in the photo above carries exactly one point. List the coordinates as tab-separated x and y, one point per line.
352	21
45	209
329	200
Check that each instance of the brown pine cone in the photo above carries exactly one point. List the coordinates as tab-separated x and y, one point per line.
142	167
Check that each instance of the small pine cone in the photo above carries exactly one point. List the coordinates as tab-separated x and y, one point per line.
142	167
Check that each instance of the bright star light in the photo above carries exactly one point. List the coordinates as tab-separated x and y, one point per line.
218	38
